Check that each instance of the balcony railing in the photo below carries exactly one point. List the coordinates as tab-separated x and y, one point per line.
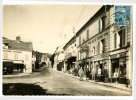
70	55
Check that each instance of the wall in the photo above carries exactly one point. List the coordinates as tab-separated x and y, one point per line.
25	56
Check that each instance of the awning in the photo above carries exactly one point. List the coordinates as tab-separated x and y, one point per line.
18	62
7	61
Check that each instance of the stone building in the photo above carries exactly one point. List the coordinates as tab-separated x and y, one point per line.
101	43
70	53
17	56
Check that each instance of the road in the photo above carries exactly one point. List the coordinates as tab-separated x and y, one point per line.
50	82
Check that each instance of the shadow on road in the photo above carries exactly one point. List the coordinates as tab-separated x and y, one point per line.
24	89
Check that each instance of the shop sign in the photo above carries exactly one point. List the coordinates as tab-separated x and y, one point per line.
12	51
113	56
101	36
122	54
101	56
118	55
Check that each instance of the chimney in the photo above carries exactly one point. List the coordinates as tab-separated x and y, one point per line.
18	39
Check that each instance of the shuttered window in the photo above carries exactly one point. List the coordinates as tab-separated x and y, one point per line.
87	34
98	47
115	40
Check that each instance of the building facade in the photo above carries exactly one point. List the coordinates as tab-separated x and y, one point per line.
120	59
70	53
58	58
17	56
100	43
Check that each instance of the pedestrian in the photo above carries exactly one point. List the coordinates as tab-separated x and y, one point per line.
99	73
105	73
81	74
93	73
87	73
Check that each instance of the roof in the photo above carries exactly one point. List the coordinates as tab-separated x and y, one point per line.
69	42
100	11
14	45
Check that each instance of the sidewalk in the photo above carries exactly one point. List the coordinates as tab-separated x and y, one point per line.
114	85
16	75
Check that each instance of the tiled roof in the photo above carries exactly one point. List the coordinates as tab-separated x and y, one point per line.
14	45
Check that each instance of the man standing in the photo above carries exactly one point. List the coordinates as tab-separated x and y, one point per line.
99	73
81	73
93	73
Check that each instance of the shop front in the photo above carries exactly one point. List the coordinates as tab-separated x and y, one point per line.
100	65
10	67
18	67
118	67
69	64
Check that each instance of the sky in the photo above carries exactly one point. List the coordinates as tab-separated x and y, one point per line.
46	26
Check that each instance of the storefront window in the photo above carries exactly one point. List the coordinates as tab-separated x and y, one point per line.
115	67
123	70
122	65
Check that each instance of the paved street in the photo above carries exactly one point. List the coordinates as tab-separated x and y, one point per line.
54	83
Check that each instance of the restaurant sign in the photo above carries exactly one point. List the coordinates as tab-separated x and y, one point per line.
12	51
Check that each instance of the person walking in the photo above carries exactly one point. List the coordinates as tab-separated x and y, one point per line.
81	74
99	73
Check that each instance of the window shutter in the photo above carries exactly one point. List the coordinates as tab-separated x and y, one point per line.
98	47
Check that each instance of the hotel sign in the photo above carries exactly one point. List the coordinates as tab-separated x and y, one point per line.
101	56
118	55
101	36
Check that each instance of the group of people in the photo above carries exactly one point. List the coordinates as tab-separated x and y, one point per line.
94	74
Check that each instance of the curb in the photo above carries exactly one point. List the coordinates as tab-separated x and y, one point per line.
93	82
12	76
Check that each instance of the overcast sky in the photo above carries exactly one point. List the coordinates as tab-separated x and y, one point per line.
45	25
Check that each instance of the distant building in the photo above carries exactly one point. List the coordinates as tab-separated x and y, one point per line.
41	59
17	56
58	58
70	53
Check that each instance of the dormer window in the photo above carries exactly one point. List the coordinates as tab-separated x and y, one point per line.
5	45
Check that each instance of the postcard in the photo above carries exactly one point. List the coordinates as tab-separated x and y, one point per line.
67	50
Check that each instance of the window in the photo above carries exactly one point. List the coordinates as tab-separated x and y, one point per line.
80	40
83	40
5	55
98	47
122	34
87	34
115	40
5	46
100	25
93	50
103	21
16	56
103	45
